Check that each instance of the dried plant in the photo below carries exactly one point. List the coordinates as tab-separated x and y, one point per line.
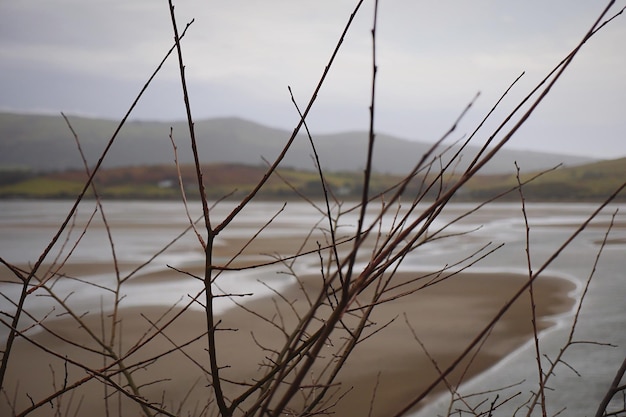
301	341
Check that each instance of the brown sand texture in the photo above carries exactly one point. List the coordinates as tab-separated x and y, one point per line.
384	372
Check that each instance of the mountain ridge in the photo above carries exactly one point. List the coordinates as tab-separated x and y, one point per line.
45	143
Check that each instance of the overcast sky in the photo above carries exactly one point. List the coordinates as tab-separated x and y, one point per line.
92	57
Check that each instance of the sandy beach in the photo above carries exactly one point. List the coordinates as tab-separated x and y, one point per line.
384	372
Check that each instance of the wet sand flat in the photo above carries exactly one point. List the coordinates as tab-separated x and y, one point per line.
390	367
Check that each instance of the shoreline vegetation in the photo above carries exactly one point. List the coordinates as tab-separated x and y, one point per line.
390	367
590	182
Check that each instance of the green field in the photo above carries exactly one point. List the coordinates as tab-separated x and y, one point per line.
590	182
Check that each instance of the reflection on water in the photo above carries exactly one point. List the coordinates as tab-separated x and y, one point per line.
140	229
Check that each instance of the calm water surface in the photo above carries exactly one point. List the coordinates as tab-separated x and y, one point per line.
139	229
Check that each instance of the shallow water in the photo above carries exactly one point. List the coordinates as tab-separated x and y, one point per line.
602	318
139	229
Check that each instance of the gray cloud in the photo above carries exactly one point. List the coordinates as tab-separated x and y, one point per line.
92	57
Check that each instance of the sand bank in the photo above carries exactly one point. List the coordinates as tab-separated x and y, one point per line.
391	364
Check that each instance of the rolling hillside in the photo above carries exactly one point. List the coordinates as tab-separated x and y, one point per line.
587	182
44	143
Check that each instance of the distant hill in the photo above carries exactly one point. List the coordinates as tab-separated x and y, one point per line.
591	182
44	143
